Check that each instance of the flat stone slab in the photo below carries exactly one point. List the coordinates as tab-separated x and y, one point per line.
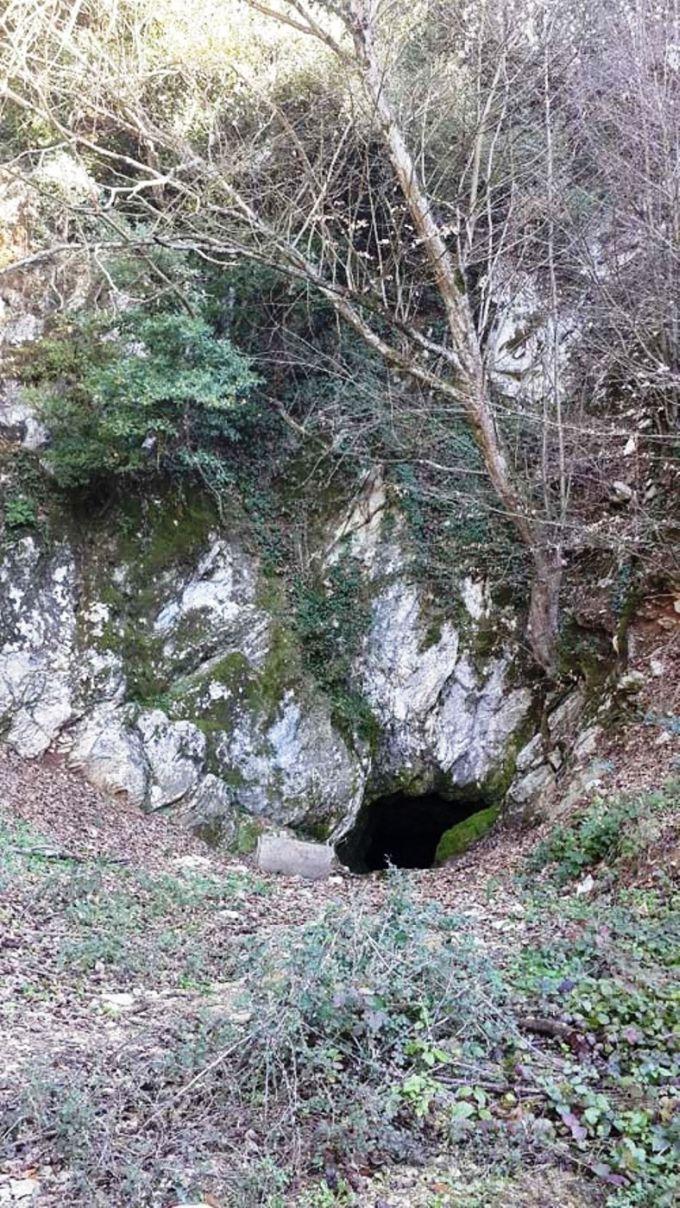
279	852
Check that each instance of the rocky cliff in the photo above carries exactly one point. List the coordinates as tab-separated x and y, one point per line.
155	641
157	653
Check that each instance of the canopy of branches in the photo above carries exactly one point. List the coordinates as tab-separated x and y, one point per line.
461	223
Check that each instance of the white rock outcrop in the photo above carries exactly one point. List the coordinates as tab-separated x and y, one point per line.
178	690
440	715
175	753
111	754
37	632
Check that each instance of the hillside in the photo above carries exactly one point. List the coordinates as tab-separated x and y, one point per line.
495	1032
339	603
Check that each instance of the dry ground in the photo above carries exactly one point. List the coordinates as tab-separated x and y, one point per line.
119	931
127	945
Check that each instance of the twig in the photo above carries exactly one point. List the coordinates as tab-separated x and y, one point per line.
207	1069
49	853
552	1027
496	1088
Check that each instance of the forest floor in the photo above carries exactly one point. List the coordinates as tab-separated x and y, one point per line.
177	1027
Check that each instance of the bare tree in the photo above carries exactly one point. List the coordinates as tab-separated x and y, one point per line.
413	185
628	118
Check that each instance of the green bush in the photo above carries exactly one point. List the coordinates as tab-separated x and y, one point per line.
606	832
20	511
140	393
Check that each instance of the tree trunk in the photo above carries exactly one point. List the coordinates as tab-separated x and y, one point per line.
473	386
544	607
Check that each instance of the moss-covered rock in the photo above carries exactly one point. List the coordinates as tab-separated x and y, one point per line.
460	837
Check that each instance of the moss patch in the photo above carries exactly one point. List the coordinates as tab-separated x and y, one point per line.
157	533
433	633
458	838
281	668
248	831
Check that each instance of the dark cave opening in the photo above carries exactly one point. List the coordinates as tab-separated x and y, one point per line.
401	830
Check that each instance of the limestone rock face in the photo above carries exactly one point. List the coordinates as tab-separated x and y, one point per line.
540	762
294	770
446	717
175	752
211	812
475	721
37	631
154	649
442	719
18	420
170	671
214	608
528	346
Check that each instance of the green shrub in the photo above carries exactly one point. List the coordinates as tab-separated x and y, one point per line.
606	832
20	511
139	393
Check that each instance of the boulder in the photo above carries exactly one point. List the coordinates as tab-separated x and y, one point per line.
175	752
280	852
111	755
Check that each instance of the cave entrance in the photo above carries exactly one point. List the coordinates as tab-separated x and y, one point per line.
401	830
